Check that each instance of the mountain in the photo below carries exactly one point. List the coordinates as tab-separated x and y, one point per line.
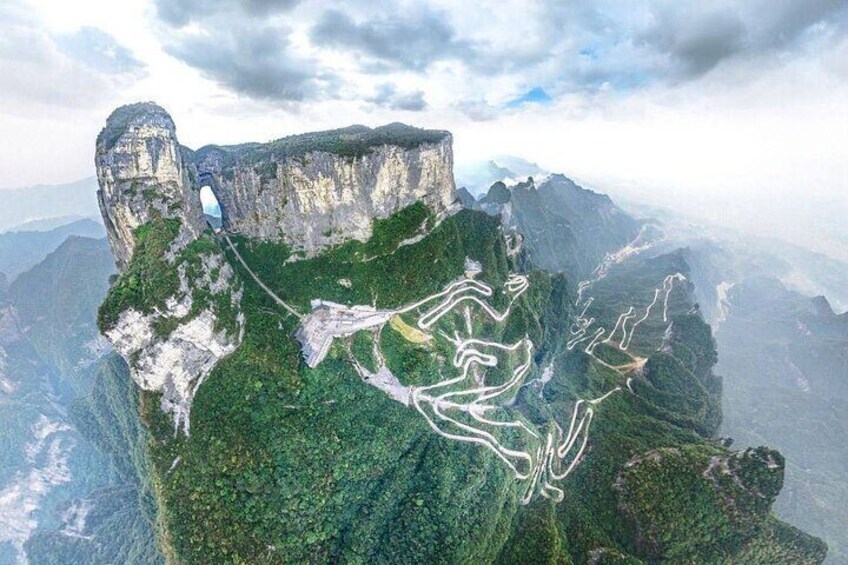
414	388
73	485
310	191
21	250
477	177
41	204
566	227
781	352
785	358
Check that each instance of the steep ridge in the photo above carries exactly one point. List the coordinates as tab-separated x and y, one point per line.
174	313
421	393
64	497
568	228
143	175
782	356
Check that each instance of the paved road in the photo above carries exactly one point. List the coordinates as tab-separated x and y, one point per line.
464	408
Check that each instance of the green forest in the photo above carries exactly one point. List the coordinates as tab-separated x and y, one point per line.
290	464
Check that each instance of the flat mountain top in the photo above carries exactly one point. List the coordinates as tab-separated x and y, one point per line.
351	141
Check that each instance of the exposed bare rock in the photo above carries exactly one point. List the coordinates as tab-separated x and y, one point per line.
317	199
177	364
141	171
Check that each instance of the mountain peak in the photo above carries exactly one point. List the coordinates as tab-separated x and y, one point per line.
311	190
129	116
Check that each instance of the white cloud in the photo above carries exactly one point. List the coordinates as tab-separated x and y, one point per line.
700	105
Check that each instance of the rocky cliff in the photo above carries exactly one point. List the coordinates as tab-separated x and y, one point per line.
173	314
142	174
175	311
317	190
310	191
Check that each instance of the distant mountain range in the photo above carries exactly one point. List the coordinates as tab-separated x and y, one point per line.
43	207
300	463
784	357
477	177
21	250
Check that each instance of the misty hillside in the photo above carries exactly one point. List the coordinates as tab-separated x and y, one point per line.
72	484
21	250
33	207
565	226
784	358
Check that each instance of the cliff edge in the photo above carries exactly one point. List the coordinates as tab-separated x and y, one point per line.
175	310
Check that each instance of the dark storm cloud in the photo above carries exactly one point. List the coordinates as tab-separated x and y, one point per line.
181	12
695	45
785	20
388	97
696	38
242	46
255	62
411	41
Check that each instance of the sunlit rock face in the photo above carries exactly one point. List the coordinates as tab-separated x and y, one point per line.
142	172
309	191
317	199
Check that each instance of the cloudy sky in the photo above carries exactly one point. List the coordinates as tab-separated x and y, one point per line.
724	106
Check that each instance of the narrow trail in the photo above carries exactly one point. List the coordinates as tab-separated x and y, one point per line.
466	409
582	328
261	284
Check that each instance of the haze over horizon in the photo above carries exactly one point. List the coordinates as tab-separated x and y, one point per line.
579	295
732	113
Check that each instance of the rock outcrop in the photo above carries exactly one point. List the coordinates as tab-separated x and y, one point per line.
315	198
174	311
142	173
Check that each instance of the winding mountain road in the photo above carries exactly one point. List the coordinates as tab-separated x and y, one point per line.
464	407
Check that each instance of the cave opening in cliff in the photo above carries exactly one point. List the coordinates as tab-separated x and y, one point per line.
211	207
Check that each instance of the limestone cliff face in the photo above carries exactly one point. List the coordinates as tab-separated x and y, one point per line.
177	364
319	199
310	191
171	347
142	172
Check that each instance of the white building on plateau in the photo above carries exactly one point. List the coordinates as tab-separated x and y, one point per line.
329	320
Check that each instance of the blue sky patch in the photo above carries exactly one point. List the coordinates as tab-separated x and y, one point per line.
536	95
